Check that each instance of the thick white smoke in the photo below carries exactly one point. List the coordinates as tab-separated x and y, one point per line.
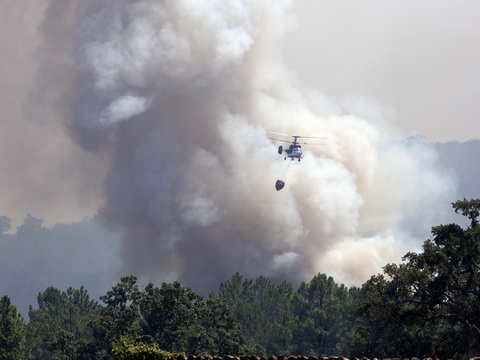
182	94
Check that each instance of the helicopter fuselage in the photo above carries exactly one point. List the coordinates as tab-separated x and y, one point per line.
294	151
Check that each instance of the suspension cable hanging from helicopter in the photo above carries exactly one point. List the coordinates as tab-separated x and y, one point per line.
280	183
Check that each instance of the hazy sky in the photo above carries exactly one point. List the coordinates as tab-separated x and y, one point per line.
420	60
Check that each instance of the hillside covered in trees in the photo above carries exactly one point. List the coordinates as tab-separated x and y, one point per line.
429	305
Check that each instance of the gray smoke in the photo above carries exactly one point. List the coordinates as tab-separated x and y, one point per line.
171	103
183	95
43	170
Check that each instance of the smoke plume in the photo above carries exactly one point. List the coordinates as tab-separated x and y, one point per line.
175	100
183	94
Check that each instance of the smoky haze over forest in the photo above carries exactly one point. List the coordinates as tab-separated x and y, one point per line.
153	117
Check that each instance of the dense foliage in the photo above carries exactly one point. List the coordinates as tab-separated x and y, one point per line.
130	349
12	331
59	328
429	305
316	318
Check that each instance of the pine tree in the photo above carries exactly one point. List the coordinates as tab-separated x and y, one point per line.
12	332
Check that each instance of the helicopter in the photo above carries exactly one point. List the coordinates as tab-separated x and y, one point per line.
294	151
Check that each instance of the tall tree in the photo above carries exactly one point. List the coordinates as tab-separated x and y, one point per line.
281	332
222	329
432	300
321	309
59	327
169	316
251	303
12	332
119	317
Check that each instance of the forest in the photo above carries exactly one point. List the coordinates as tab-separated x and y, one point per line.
426	306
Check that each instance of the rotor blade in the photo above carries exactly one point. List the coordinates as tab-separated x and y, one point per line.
273	132
297	136
311	137
282	140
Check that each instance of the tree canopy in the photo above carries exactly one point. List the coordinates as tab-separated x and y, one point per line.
430	304
12	331
426	306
